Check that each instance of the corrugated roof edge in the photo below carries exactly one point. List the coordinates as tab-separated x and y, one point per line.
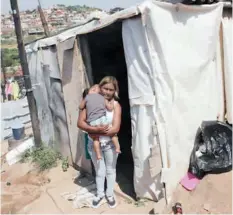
86	27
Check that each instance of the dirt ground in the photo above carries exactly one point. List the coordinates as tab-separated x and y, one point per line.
25	191
29	193
213	195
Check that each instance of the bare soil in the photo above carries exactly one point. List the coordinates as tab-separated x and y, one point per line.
25	191
19	188
213	195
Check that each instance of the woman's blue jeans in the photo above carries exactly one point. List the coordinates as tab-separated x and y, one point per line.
104	168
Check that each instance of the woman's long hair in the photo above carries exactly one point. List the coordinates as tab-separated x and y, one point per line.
111	80
85	92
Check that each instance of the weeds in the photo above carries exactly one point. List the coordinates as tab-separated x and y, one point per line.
128	201
44	157
141	202
26	156
65	164
138	203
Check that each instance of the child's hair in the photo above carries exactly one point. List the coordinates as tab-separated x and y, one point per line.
85	92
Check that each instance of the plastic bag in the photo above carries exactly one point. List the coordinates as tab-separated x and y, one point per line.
212	152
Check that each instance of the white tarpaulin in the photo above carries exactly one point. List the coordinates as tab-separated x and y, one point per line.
227	46
146	182
87	26
142	103
138	65
182	70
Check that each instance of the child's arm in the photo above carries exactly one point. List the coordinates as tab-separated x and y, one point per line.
82	104
109	104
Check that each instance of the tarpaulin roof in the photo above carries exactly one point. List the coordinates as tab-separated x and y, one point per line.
86	27
92	25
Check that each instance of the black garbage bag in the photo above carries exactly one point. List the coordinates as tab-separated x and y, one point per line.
212	152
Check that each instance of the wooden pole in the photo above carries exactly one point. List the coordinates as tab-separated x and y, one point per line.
223	71
3	68
3	82
43	20
24	64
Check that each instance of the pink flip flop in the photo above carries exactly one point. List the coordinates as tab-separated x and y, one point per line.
189	181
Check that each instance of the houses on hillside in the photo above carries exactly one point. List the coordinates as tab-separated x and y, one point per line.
57	16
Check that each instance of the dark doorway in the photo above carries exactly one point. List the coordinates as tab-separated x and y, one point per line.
106	57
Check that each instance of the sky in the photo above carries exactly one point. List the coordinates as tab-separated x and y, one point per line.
102	4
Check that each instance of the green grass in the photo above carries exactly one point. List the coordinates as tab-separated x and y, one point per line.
43	157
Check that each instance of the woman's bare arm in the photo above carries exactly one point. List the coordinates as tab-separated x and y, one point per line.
82	104
116	123
82	124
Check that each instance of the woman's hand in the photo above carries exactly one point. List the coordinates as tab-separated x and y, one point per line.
99	130
116	123
82	124
102	129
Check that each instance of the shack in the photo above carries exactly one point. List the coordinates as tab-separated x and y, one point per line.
169	61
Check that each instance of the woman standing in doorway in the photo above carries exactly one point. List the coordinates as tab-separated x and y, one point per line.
105	167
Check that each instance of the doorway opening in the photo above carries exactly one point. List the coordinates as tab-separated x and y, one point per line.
103	55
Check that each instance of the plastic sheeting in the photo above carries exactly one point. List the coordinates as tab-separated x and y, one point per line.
57	78
83	197
147	177
212	151
143	139
73	81
86	27
35	65
45	77
12	113
138	65
183	74
228	70
172	79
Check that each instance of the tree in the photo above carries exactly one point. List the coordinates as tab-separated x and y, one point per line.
10	57
60	5
28	12
71	8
